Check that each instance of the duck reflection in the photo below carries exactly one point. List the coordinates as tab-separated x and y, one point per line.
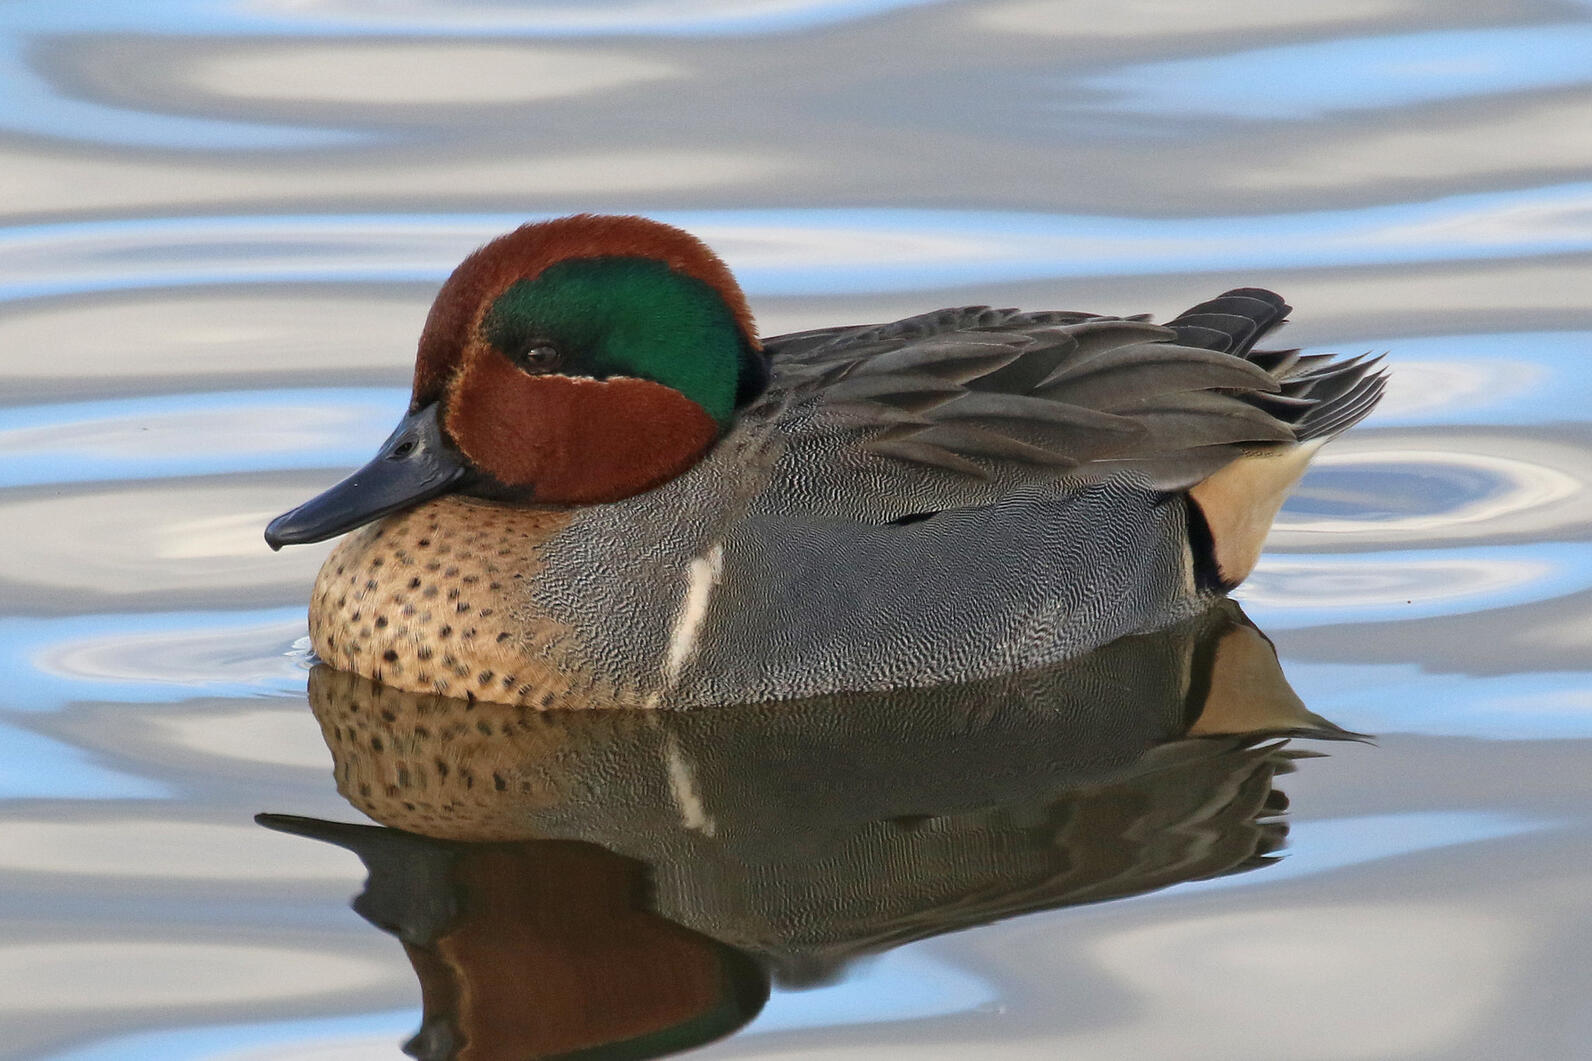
628	883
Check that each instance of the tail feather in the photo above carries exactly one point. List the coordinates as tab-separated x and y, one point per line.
1340	395
1335	417
1276	362
1318	396
1232	322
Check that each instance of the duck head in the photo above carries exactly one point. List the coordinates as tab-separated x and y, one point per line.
574	361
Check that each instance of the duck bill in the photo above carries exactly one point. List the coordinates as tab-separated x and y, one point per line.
415	464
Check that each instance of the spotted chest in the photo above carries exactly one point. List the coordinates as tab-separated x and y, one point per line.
437	600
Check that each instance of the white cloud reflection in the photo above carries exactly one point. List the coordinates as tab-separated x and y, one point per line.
97	975
168	850
1484	486
810	251
169	537
1339	982
416	74
1295	590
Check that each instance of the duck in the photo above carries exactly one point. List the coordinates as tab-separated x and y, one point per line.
609	491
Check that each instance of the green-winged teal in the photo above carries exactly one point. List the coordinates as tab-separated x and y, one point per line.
609	491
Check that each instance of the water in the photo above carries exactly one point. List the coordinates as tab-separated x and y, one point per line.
223	226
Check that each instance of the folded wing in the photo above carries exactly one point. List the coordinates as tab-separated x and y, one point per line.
959	406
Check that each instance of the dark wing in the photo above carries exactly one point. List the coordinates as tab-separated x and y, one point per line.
976	401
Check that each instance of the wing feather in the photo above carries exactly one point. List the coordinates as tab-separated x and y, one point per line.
960	406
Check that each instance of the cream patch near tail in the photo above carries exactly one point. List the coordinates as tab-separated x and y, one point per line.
1241	500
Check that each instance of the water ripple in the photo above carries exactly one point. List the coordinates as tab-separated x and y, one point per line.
807	251
1392	489
38	767
38	106
1306	81
1409	698
185	540
126	847
194	434
92	974
1293	591
152	658
432	18
1489	378
307	1039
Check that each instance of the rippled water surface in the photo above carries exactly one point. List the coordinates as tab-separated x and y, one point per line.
223	223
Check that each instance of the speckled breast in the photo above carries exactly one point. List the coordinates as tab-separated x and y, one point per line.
438	600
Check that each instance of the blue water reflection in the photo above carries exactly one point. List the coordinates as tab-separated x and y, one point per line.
1400	489
1408	698
40	767
895	986
370	1031
808	251
195	434
140	658
1305	81
1294	590
1488	378
1396	490
37	108
547	18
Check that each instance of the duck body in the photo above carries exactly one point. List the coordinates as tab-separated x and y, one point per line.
628	604
939	499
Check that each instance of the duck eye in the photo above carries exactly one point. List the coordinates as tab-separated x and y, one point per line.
540	357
